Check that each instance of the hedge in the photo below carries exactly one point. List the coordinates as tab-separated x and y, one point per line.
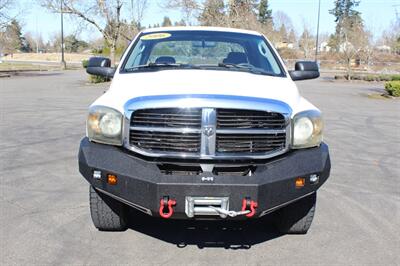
393	88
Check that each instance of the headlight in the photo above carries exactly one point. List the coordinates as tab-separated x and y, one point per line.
307	129
104	125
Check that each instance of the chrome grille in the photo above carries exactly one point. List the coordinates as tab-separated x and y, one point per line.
166	141
231	118
166	130
167	117
250	143
208	133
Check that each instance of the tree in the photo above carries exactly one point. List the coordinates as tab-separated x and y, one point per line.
306	41
5	17
138	8
166	22
292	36
189	8
181	23
353	42
238	8
345	16
391	36
265	15
73	45
350	38
11	40
232	13
213	13
103	15
129	30
283	35
242	14
33	43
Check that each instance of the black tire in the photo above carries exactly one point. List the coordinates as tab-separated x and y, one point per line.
297	217
107	213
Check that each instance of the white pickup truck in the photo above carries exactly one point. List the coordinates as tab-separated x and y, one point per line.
203	123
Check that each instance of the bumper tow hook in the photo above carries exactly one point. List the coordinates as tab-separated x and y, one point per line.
165	202
250	206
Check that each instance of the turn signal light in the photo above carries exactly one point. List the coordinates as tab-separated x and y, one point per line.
112	179
300	182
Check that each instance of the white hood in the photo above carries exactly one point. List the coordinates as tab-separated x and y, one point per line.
212	82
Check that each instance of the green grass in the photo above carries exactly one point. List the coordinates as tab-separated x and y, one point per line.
5	66
371	77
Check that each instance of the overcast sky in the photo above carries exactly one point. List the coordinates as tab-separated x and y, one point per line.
377	14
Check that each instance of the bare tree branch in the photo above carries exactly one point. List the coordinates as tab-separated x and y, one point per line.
188	8
5	7
138	8
103	15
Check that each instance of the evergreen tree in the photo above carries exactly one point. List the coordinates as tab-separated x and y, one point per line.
241	7
346	18
350	38
73	45
264	13
166	22
283	33
12	39
292	36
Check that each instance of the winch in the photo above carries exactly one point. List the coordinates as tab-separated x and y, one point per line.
217	206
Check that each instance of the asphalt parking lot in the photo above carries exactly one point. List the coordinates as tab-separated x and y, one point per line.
44	213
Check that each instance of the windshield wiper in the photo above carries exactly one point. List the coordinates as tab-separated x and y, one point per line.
158	65
245	66
232	65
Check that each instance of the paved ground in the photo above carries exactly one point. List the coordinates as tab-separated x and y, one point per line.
44	214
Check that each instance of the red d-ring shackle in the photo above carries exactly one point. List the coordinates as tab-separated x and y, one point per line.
165	202
249	204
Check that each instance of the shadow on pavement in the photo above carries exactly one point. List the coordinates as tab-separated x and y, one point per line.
205	234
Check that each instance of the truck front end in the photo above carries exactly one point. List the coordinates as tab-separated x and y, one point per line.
204	141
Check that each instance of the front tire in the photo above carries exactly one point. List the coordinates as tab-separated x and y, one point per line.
107	213
297	217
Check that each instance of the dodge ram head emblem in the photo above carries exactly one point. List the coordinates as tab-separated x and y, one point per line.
208	131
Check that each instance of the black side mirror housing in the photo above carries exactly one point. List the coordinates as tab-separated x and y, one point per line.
304	70
100	66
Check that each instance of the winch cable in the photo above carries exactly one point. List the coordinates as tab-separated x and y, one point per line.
229	213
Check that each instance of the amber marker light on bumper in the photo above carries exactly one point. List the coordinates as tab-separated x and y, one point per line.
300	182
112	179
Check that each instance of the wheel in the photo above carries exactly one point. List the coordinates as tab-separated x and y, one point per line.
107	213
297	217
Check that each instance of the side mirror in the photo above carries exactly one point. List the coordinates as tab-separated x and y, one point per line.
304	70
100	66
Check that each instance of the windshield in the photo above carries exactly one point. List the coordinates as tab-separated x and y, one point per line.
202	50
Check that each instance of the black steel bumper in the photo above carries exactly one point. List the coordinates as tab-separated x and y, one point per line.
141	184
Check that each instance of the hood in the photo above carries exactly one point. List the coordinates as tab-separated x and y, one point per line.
125	87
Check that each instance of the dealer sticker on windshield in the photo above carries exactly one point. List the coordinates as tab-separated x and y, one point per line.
156	36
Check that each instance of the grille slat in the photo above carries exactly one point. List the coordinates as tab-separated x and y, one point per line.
232	118
230	143
187	143
245	144
167	117
254	137
158	144
170	123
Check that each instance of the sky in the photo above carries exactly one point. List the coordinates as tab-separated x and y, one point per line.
377	14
